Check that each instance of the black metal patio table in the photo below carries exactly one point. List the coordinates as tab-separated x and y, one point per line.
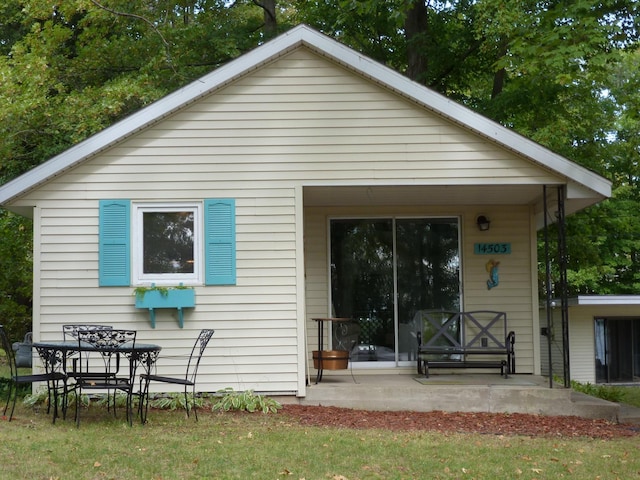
54	354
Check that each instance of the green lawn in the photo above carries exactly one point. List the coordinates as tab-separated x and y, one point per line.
273	446
631	396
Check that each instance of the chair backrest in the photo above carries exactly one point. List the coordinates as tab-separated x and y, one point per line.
196	354
71	331
106	342
8	348
106	339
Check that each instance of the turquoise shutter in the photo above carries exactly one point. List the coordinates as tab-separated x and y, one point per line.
114	250
220	241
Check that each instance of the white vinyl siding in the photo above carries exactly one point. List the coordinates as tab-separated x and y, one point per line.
299	121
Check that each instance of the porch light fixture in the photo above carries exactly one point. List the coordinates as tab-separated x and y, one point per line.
483	223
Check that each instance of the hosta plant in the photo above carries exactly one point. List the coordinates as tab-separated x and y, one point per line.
245	401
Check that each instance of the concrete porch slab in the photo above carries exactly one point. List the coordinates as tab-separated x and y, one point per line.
456	393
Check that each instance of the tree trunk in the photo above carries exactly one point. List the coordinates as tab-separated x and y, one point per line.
500	75
416	27
270	22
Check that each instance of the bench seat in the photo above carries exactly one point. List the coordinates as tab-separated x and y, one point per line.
471	353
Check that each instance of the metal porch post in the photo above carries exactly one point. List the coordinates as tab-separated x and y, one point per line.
548	285
562	271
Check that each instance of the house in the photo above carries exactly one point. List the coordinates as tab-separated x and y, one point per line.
604	339
300	181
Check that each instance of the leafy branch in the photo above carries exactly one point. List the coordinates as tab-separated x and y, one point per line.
149	23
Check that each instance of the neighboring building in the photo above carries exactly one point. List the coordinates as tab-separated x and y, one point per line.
311	181
604	339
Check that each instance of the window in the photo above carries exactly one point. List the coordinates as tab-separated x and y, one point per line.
167	244
192	243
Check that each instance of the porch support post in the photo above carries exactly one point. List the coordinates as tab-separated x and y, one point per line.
548	285
562	273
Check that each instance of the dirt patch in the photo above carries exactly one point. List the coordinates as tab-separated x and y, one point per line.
444	422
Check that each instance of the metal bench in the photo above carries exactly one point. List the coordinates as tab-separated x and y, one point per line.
465	340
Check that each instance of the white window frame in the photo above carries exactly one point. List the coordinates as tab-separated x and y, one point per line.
139	277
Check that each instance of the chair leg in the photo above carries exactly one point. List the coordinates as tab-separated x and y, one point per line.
54	384
65	398
49	385
13	389
115	392
78	402
143	407
130	406
195	406
6	406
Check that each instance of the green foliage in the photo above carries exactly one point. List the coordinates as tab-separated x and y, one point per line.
41	397
16	274
23	389
632	396
245	401
5	373
140	292
175	401
605	392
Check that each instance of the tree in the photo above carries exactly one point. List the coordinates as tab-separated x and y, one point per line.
563	73
604	241
16	275
71	70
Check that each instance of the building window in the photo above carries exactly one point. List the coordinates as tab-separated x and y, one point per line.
167	243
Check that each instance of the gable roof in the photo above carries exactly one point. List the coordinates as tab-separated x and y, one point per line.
588	187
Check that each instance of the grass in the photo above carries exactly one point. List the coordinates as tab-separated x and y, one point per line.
242	446
631	396
224	445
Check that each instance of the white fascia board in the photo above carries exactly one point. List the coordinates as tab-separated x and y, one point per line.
584	300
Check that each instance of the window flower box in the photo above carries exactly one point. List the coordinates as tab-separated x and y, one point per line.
153	298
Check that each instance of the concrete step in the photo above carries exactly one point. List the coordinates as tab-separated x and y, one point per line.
629	414
450	395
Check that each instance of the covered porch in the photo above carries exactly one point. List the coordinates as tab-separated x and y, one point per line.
421	244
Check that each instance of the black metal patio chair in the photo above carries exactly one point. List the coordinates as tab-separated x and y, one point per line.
188	380
106	375
51	377
70	333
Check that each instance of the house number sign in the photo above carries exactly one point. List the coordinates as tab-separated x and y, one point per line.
495	248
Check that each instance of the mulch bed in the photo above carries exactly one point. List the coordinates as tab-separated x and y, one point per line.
445	422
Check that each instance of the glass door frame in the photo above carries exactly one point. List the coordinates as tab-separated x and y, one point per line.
618	359
394	218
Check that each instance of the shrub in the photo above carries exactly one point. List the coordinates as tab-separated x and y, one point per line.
605	392
245	401
175	401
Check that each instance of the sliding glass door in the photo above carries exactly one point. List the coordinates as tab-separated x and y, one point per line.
384	271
